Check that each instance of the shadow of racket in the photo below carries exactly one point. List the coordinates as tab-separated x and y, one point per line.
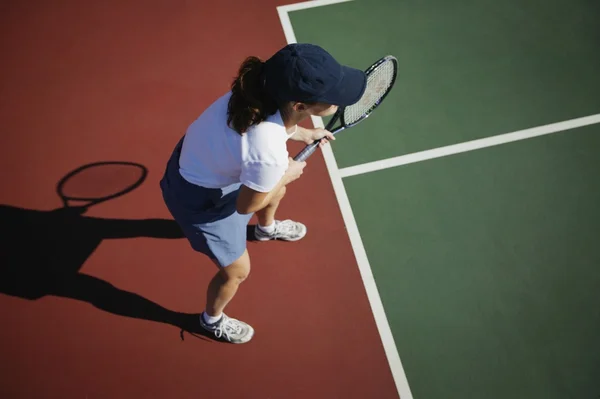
99	182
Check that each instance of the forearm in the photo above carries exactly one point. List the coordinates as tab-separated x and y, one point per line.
301	134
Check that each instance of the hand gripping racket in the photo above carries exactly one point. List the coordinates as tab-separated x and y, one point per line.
381	77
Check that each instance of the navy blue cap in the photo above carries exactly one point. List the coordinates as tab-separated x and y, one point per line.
308	73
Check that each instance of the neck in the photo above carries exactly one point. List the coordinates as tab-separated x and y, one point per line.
291	118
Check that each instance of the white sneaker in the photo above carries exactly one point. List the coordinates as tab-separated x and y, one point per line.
232	330
286	230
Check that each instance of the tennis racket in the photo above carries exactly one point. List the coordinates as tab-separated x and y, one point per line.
97	182
381	77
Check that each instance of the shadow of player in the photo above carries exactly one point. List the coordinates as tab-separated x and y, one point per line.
42	252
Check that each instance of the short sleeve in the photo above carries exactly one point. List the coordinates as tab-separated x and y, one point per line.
262	177
264	155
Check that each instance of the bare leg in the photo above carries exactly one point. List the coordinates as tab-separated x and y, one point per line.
266	216
287	230
221	290
225	283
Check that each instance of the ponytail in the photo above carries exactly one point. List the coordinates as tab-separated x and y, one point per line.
249	104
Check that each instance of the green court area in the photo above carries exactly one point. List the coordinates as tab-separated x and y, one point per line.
487	262
467	69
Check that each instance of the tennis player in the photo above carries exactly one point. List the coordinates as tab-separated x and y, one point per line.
233	162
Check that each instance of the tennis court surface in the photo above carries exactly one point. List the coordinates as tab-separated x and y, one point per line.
456	254
474	190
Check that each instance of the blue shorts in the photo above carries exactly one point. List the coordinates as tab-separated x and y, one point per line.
207	216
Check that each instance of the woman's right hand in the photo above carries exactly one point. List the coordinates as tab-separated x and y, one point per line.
294	170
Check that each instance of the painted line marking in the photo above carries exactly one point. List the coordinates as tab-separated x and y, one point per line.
306	4
469	146
364	267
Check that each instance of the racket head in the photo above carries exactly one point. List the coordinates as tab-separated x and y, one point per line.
99	182
381	77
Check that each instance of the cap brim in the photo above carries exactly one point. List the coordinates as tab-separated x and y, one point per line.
349	90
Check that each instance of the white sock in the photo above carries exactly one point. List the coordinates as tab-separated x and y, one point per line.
211	319
267	229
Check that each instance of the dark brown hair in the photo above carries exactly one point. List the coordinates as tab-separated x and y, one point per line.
249	104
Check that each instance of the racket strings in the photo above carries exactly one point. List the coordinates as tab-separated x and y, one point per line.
379	82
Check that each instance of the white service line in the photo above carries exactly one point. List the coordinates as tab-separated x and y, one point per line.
307	4
469	146
364	267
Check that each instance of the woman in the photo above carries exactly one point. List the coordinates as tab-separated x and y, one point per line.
233	163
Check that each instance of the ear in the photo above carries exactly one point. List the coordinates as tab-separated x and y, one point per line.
300	107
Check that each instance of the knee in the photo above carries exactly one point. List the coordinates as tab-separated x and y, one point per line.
239	278
235	275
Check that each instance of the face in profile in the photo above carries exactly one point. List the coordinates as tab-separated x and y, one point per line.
324	109
318	109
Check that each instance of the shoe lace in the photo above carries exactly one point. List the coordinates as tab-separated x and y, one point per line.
227	327
285	227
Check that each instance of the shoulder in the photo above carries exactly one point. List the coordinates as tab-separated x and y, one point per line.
266	132
267	141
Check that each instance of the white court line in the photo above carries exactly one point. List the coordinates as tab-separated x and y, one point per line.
304	5
357	245
469	146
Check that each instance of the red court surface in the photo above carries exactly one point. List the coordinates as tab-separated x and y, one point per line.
120	81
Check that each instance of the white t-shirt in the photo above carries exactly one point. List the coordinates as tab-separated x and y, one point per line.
215	156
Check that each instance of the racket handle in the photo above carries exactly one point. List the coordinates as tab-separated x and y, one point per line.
307	151
310	148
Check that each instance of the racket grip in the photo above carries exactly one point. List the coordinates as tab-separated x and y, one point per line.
307	151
